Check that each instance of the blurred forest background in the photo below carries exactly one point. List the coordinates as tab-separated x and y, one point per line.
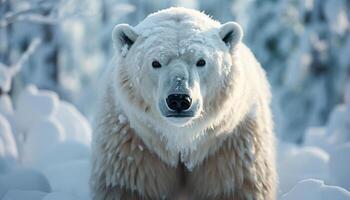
64	46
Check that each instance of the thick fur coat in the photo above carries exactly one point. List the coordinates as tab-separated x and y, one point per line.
225	151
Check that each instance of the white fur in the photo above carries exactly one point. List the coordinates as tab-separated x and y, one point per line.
231	69
186	139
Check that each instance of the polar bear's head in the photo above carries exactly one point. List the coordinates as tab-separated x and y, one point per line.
175	65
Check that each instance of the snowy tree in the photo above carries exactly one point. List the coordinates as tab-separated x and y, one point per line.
221	9
70	55
65	45
21	22
302	45
7	73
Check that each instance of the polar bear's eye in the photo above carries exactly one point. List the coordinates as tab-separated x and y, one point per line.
200	62
156	64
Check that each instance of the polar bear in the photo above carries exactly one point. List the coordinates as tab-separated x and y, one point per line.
184	111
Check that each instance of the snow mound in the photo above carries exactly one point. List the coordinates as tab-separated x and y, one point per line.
338	125
24	194
34	105
5	78
301	163
37	195
340	166
77	127
41	138
62	153
70	178
6	105
54	139
317	137
45	122
8	147
313	189
60	196
25	179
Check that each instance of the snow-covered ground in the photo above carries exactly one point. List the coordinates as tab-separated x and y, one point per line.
45	142
45	148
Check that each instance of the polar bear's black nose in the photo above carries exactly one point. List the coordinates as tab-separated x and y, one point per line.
179	102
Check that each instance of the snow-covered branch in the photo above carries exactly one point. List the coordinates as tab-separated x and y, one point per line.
31	14
36	18
30	50
8	72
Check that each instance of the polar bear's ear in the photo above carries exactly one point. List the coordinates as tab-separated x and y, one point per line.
123	35
231	33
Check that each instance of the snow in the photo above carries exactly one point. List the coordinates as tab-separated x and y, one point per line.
316	136
302	163
25	179
33	106
45	139
24	194
70	177
8	147
53	160
315	189
338	125
54	141
8	72
122	119
340	165
37	195
6	105
61	153
60	196
40	138
5	79
303	45
324	155
68	116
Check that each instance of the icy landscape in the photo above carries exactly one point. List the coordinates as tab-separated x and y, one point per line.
52	54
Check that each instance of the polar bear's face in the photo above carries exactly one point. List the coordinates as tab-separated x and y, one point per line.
174	71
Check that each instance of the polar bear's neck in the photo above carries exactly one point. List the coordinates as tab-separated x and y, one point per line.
195	151
171	143
174	144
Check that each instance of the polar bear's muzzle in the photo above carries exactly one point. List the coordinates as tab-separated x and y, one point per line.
179	101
